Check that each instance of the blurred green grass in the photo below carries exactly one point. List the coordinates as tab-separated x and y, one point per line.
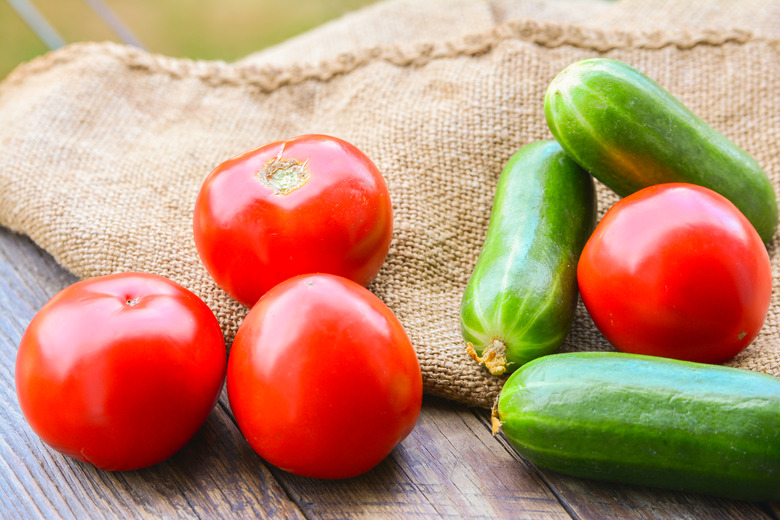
205	29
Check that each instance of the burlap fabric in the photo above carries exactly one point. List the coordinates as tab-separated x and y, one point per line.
103	147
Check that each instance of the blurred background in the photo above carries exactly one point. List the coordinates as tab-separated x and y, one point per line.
204	29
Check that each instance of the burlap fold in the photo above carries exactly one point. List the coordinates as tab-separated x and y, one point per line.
103	147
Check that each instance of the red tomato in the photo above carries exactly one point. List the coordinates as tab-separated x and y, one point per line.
121	370
676	270
310	204
322	379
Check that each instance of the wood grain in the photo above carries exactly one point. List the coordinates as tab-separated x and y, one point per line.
451	466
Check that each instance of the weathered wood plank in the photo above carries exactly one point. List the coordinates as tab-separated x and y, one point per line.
449	467
586	499
216	475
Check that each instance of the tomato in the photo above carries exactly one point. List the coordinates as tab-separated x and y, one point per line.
322	379
310	204
120	371
676	270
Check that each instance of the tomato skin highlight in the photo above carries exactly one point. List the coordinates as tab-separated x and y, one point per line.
335	217
322	379
675	270
120	370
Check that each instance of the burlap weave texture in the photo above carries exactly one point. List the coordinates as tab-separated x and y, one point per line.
103	148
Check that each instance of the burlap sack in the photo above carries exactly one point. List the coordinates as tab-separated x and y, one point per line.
103	147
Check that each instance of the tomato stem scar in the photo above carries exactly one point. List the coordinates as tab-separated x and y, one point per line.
283	176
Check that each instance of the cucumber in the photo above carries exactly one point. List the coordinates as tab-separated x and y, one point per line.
631	133
520	299
646	420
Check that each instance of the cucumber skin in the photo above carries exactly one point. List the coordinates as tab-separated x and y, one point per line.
630	133
523	289
651	421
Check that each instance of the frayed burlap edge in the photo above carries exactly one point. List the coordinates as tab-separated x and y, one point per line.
268	79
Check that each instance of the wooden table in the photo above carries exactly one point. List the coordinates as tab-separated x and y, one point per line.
449	467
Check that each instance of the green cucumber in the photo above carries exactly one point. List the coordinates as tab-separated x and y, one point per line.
520	300
650	421
631	133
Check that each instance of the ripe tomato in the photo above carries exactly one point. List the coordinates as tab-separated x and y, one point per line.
675	270
322	379
120	370
310	204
